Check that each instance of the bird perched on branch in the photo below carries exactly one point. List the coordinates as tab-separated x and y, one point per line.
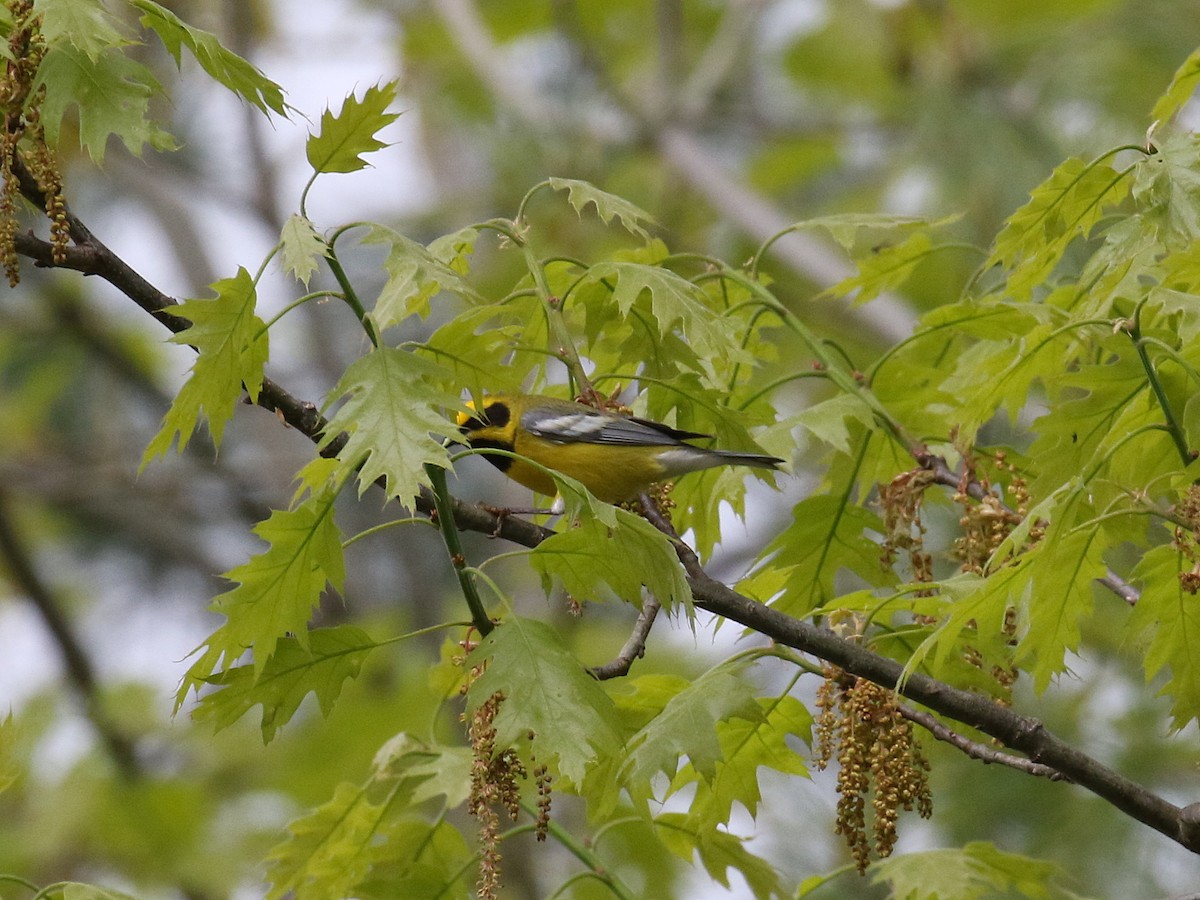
615	457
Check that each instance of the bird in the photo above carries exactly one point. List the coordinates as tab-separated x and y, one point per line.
615	457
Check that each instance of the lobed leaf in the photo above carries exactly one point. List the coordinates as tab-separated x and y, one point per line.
597	558
546	691
110	93
301	247
232	348
1166	622
276	590
291	674
972	872
686	728
608	206
223	65
345	137
387	420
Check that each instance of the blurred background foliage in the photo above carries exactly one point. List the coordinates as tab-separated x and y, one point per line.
727	121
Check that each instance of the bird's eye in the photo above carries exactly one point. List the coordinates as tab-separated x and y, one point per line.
497	414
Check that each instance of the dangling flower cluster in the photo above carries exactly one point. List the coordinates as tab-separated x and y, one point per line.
987	522
878	756
1187	538
23	132
901	500
494	776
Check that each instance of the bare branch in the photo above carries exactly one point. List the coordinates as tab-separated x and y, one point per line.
974	749
635	646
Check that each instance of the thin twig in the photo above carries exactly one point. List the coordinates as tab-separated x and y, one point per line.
976	750
635	646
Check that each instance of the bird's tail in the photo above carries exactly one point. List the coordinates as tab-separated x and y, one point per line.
759	460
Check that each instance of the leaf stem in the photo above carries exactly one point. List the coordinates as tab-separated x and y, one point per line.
580	851
1174	429
445	521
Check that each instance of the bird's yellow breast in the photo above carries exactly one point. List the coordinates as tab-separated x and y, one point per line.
611	473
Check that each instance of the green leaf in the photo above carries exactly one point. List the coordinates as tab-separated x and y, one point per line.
596	557
608	206
277	589
977	870
415	275
747	745
1179	91
674	301
1067	205
232	345
1167	185
1059	592
292	672
362	834
301	247
719	851
419	859
328	851
687	725
223	65
1166	621
111	93
345	137
546	691
86	24
886	268
828	535
388	419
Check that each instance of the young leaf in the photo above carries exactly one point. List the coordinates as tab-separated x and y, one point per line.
746	745
1060	573
225	66
111	94
608	206
973	872
719	852
344	137
1167	620
301	247
415	274
619	557
415	858
84	23
232	345
1180	90
293	672
687	725
1066	205
546	691
277	589
1167	185
675	301
828	535
884	269
388	419
328	851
